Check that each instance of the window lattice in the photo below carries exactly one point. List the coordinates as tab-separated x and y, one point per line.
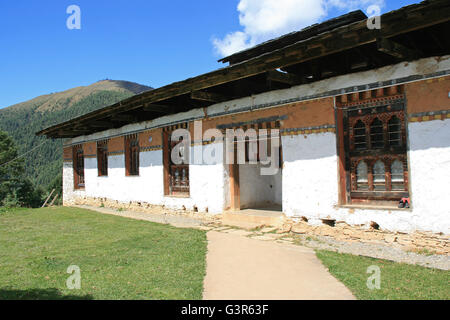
375	151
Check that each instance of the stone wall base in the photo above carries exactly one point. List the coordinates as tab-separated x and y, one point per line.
136	206
419	242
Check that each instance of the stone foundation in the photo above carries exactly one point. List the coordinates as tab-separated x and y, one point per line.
419	242
137	206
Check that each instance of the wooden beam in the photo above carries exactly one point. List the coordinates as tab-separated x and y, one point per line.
209	96
48	198
101	124
396	50
124	118
54	199
160	108
71	133
282	77
81	129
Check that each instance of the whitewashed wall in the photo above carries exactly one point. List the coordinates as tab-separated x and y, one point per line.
258	190
207	190
68	184
429	161
310	181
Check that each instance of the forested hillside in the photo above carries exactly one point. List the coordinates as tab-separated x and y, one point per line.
23	120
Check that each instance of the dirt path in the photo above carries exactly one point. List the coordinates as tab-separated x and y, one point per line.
242	268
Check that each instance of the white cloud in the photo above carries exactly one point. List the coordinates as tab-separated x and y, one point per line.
354	4
266	19
233	42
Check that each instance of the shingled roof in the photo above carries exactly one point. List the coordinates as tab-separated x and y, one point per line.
294	37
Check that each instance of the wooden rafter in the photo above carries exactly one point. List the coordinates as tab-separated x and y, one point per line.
396	50
101	124
124	118
159	108
283	77
209	96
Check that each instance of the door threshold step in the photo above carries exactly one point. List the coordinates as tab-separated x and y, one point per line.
268	219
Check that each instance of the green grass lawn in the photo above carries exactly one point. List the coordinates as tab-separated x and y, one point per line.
119	258
399	281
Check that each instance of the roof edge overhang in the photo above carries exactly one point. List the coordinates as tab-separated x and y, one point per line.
295	36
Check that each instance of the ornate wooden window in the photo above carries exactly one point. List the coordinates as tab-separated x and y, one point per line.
374	149
102	158
78	167
176	175
132	155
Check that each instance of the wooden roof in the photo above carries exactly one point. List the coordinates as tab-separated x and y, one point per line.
293	37
412	32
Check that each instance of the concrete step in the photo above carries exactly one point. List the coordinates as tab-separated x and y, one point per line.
242	224
257	218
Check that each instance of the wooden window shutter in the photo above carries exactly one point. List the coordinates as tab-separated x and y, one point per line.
127	157
131	155
176	176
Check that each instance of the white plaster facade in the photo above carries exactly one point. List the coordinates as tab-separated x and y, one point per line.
310	181
206	189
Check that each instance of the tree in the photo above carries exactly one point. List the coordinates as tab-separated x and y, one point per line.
11	171
15	189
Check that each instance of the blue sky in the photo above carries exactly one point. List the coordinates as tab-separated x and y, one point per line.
150	42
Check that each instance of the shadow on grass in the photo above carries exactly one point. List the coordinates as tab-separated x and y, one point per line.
39	294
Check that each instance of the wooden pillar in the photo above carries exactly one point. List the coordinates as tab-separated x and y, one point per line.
341	156
235	193
166	161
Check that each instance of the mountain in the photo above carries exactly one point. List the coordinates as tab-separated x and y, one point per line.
21	121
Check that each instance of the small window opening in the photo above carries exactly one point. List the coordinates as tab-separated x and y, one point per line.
362	180
395	132
329	222
374	225
359	132
397	176
379	176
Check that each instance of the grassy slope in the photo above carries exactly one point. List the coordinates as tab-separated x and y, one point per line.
23	120
399	281
119	258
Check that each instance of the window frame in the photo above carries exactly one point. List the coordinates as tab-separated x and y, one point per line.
352	113
171	187
78	167
132	152
102	158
